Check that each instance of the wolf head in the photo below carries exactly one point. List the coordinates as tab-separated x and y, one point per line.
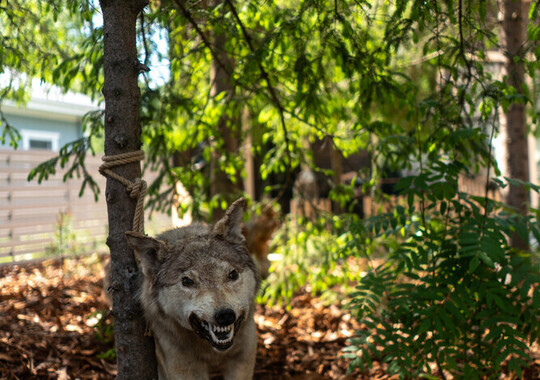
199	277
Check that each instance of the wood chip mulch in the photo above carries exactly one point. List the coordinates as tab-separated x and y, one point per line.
54	325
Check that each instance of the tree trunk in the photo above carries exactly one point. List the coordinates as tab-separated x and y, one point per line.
337	169
249	159
134	350
228	127
515	118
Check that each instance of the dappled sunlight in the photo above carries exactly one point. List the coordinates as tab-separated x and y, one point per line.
388	154
54	323
310	336
52	313
54	320
48	313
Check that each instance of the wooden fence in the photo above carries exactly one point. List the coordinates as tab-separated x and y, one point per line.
50	218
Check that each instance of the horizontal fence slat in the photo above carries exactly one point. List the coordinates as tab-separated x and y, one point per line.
36	207
18	227
15	243
30	220
31	187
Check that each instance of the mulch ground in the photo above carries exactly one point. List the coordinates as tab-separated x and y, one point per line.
54	325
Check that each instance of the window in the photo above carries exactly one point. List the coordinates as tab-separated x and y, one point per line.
40	144
42	140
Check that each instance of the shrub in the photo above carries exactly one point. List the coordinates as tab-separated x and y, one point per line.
453	295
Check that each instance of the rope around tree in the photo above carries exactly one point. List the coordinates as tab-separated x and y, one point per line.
136	188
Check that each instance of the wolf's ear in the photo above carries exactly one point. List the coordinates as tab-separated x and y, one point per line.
230	226
149	252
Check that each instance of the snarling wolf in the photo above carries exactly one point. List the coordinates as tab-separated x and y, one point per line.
198	298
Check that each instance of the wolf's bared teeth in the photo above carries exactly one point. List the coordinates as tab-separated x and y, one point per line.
221	329
224	341
221	335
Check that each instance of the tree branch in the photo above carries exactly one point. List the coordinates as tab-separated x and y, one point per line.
462	39
273	95
189	17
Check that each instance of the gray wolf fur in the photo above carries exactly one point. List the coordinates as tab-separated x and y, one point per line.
198	297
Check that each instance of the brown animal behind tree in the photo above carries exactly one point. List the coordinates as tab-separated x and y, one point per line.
258	232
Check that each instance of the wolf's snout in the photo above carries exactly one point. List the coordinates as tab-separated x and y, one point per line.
225	317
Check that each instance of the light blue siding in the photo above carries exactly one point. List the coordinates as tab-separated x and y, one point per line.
68	131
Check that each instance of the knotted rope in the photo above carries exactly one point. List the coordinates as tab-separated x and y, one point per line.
136	188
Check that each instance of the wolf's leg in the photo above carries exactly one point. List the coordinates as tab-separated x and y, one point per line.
188	374
178	366
241	367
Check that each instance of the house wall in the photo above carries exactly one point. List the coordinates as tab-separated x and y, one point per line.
49	114
62	130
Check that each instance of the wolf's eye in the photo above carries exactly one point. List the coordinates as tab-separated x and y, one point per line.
233	275
186	281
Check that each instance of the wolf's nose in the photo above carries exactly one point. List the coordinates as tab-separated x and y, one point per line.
225	317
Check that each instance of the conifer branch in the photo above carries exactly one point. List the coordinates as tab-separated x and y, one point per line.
273	96
187	14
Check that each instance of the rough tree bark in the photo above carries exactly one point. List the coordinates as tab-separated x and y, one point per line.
134	350
515	118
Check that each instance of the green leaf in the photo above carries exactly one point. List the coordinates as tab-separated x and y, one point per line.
486	259
536	298
475	261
